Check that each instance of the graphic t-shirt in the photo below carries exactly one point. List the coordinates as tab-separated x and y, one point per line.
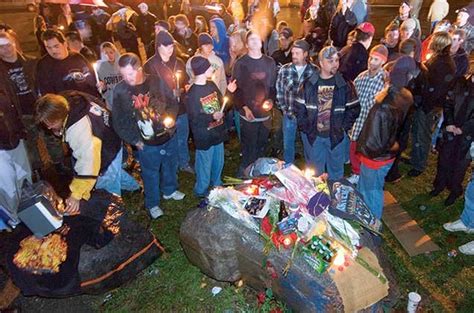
25	94
148	114
325	96
110	75
72	73
202	101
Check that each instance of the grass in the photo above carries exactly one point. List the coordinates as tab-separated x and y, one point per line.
172	284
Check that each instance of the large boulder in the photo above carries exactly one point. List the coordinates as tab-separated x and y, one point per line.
224	249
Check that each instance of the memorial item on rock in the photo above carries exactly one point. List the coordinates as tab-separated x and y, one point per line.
303	218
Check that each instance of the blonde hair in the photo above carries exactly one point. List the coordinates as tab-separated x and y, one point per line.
439	42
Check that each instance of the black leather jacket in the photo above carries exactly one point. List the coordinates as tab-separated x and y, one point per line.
378	139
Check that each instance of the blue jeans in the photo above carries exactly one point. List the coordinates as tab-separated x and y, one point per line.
370	186
182	132
115	178
320	156
289	138
467	216
237	122
159	166
208	166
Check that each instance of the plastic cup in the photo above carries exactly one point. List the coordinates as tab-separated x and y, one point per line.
413	301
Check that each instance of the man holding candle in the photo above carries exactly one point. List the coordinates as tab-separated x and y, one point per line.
205	107
172	70
325	110
144	114
255	75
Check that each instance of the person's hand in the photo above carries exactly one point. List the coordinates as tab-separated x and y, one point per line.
450	128
217	115
453	129
101	85
186	87
140	145
72	206
248	113
232	86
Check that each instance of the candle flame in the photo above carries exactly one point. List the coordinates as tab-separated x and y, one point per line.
309	172
168	122
339	259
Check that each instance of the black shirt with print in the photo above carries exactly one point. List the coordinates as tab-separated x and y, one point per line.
202	101
72	73
24	92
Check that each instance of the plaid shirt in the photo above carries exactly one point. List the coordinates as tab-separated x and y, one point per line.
288	85
367	88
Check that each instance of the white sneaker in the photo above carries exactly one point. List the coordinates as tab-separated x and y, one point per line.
458	226
467	248
177	195
155	212
353	179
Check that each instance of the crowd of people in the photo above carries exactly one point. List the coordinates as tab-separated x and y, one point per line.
120	85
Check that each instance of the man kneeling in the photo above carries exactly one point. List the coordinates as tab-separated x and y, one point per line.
87	128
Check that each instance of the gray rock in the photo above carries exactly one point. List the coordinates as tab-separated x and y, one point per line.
227	251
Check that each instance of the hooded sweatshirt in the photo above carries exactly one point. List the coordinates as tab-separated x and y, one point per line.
109	73
221	47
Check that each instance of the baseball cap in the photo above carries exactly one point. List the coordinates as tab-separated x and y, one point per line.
204	39
327	52
367	28
302	44
164	38
286	32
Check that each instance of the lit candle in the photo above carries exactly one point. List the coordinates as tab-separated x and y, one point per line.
309	172
177	80
177	75
94	66
224	103
267	106
96	74
287	241
168	122
340	259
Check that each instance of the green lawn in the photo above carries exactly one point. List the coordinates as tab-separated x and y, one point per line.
172	284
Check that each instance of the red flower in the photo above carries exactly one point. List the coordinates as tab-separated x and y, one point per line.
261	297
266	225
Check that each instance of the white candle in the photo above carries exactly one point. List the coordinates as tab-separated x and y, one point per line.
177	80
94	66
224	103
